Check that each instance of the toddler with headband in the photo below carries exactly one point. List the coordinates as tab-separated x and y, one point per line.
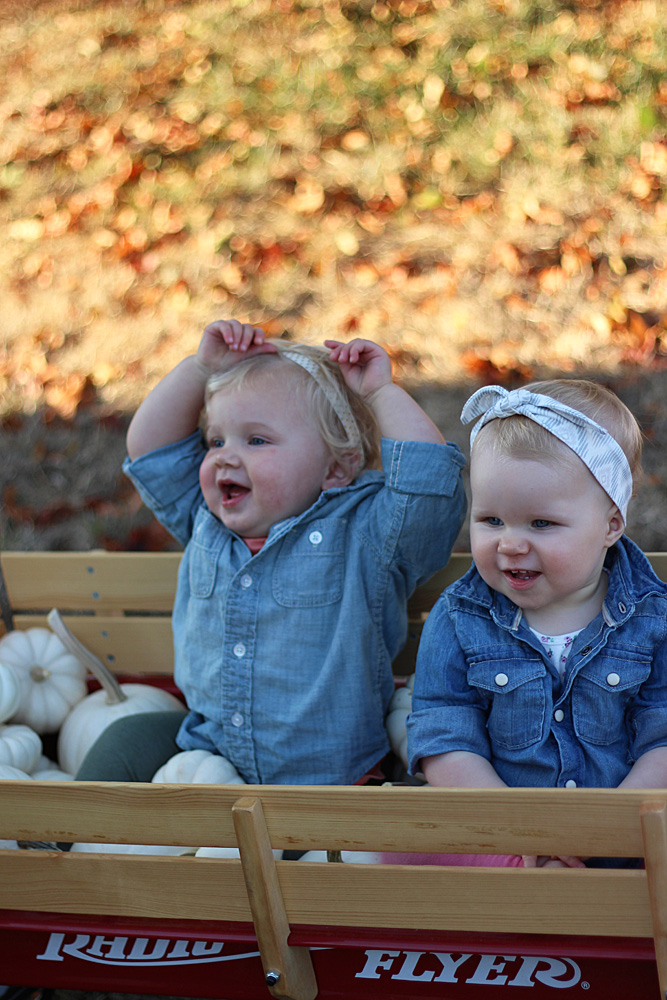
317	498
546	664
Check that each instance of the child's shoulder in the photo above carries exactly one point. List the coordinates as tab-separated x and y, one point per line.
630	569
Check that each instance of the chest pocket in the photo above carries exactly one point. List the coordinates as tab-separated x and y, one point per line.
204	551
516	699
601	692
309	568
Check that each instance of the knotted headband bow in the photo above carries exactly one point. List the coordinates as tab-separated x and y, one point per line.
340	405
598	450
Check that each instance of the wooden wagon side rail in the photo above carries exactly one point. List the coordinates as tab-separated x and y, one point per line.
126	599
279	895
118	605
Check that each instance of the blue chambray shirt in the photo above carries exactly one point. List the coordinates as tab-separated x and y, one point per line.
285	657
485	684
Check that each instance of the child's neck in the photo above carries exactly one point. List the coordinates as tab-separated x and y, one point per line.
562	617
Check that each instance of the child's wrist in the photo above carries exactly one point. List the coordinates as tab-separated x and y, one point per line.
201	370
379	393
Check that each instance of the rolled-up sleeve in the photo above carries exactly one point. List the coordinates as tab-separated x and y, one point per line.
647	716
447	713
414	521
167	480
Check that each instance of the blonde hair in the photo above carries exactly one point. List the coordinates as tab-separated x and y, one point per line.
519	436
346	452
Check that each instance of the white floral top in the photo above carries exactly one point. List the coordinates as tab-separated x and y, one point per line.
557	647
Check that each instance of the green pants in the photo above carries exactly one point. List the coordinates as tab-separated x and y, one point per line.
132	748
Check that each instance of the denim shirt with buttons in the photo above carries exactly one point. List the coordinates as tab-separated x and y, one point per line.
485	684
285	656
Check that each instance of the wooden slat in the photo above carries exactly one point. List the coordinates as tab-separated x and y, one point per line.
517	821
94	581
606	903
123	885
289	971
146	581
654	827
470	899
126	645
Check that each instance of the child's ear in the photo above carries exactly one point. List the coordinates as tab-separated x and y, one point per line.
615	527
337	476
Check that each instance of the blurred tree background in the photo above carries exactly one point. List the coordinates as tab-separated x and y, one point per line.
479	185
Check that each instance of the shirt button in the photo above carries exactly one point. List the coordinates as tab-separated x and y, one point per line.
246	580
239	650
613	680
237	719
315	537
559	715
571	783
622	608
501	680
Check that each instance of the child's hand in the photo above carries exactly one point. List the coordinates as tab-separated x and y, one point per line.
543	861
365	365
226	341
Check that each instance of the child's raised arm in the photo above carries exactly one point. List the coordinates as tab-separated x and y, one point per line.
366	368
171	411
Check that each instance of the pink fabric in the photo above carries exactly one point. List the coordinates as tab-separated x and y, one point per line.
456	860
255	544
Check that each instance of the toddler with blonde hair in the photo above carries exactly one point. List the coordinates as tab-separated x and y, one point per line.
317	498
546	664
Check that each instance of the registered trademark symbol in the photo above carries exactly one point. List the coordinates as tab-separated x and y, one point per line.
585	985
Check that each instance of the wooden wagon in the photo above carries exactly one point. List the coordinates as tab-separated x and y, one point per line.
210	927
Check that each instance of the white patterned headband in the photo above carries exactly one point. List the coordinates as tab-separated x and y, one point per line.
598	450
340	405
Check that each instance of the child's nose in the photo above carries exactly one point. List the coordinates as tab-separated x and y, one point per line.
227	455
513	543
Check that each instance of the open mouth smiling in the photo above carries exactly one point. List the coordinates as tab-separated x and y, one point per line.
520	579
232	493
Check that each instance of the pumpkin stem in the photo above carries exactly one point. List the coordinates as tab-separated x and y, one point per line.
39	674
114	692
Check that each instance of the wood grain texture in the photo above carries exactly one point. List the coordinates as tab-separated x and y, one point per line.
542	901
289	971
357	818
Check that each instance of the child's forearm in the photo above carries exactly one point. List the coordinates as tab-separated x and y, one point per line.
650	771
366	368
399	417
171	411
460	769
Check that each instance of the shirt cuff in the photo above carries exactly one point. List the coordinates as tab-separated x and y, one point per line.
443	730
422	467
163	476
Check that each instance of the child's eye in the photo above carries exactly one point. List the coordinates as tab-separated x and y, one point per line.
256	440
541	522
494	522
216	442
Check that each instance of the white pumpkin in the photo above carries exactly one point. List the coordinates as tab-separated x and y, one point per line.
198	767
47	770
90	717
9	773
20	746
52	774
395	722
88	720
130	849
51	679
44	763
10	691
231	852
